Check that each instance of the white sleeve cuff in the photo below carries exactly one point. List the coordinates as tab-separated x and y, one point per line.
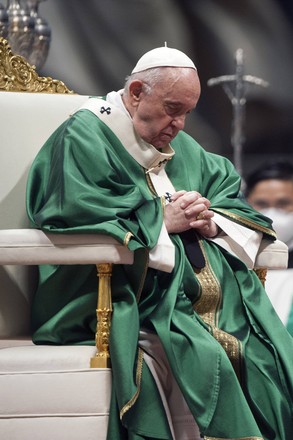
239	240
162	256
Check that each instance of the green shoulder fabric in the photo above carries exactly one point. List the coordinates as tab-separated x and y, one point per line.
84	181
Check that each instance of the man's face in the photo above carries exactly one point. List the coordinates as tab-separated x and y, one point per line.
159	116
272	193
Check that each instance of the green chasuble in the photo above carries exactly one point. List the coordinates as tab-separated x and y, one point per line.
227	349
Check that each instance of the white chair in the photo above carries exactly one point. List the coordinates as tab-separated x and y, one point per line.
51	392
46	391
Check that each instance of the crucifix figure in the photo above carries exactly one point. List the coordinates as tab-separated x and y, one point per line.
235	88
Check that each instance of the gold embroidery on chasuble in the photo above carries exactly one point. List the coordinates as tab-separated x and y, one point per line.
208	306
246	222
238	438
150	185
127	238
133	399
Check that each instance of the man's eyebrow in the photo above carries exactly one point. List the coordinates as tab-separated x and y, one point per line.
176	105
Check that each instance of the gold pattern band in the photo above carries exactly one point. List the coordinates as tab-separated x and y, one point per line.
132	401
245	222
207	307
163	203
238	438
150	185
17	75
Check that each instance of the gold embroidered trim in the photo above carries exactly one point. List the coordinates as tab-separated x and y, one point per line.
127	238
238	438
163	203
246	222
150	185
132	401
232	347
208	305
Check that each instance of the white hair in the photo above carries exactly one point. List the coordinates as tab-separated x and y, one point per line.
152	77
148	77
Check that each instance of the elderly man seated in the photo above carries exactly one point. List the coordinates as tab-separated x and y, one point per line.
196	347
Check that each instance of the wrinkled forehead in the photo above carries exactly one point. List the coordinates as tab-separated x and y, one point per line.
178	84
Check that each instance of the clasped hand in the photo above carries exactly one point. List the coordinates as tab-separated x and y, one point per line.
189	210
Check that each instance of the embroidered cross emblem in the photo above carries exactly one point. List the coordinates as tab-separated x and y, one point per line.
168	196
107	110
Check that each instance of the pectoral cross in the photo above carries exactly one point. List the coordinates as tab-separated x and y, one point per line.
235	88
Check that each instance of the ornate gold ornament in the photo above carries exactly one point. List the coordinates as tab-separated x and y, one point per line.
17	75
104	315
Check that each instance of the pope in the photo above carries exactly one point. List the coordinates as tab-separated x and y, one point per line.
197	350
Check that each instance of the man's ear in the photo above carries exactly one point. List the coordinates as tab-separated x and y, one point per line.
135	89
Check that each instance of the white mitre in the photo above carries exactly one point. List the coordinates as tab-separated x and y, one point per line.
163	57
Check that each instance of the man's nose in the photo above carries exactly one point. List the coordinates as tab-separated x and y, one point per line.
179	122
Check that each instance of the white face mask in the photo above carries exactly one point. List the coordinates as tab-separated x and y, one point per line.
282	223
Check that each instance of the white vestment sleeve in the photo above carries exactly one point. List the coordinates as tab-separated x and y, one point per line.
238	240
162	256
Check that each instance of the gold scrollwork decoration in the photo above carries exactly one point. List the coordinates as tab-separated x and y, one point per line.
17	75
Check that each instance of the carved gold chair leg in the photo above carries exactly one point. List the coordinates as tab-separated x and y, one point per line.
104	315
262	274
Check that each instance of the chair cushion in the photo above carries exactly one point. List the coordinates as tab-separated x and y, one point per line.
42	384
272	255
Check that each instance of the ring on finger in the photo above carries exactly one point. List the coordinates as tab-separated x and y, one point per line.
200	216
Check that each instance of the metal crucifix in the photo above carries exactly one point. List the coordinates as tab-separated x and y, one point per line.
238	100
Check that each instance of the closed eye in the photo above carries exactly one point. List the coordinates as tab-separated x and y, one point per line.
172	110
176	111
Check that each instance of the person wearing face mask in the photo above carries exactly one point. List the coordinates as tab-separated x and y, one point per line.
269	189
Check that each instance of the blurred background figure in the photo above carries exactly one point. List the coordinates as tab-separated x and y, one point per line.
269	189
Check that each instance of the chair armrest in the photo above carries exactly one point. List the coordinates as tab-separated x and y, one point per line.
272	255
35	247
